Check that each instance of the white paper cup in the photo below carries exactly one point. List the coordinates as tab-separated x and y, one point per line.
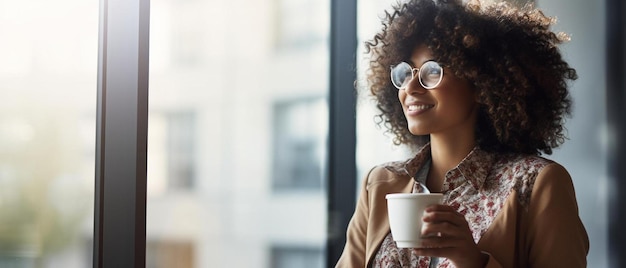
405	216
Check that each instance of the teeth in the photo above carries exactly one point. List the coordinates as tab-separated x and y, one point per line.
419	107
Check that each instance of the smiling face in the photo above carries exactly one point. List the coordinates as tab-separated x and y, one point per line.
449	109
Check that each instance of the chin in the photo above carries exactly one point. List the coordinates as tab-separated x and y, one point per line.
417	131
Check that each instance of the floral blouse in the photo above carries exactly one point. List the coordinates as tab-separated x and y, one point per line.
478	188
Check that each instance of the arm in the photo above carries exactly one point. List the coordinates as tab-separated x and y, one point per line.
354	251
556	236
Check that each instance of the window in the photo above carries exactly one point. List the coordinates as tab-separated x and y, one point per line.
301	24
180	145
296	256
172	139
299	144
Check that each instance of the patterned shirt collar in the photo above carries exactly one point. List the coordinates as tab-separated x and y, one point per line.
474	167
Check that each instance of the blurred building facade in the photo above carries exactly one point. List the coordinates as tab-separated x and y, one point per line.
237	133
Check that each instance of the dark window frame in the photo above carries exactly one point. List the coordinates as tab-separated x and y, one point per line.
342	172
121	134
616	108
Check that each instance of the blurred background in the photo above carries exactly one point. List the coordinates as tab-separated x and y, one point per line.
238	126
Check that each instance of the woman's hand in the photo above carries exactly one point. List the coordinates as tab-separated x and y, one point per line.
447	234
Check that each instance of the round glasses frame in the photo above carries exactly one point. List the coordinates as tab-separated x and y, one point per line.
399	74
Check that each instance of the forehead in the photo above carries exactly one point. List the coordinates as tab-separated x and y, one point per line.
421	54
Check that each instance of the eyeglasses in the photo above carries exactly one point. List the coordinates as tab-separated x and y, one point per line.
429	74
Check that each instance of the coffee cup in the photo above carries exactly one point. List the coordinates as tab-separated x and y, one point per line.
405	212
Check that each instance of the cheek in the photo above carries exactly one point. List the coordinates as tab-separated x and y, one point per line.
401	97
460	96
456	103
464	105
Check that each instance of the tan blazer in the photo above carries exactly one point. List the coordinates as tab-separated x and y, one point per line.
548	233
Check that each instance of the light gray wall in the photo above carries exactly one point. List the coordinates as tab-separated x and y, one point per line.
584	155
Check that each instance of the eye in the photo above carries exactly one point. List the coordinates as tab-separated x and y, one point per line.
433	71
430	68
401	75
431	74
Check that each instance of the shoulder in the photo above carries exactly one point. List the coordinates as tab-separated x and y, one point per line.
521	172
388	175
521	168
386	172
521	164
553	176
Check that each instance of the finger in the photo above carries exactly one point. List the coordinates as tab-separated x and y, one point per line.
439	207
444	229
445	216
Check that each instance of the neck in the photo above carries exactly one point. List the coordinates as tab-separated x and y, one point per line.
446	153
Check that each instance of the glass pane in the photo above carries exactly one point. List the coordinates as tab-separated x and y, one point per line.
584	154
237	133
47	132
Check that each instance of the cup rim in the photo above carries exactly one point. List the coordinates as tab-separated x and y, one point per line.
410	195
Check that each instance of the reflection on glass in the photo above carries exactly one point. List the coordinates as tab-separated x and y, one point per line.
47	132
237	133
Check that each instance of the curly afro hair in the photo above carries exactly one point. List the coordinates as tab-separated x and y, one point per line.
509	55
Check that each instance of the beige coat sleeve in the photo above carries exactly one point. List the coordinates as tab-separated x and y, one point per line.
556	236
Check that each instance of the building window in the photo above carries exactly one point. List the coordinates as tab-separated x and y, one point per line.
171	151
180	141
299	141
296	256
301	23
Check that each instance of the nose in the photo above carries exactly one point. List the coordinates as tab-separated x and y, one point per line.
415	87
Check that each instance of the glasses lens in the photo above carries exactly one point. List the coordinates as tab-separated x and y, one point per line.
430	74
401	75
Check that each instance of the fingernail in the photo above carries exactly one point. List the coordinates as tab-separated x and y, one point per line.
422	231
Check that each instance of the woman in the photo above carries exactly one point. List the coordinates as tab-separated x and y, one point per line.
481	92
